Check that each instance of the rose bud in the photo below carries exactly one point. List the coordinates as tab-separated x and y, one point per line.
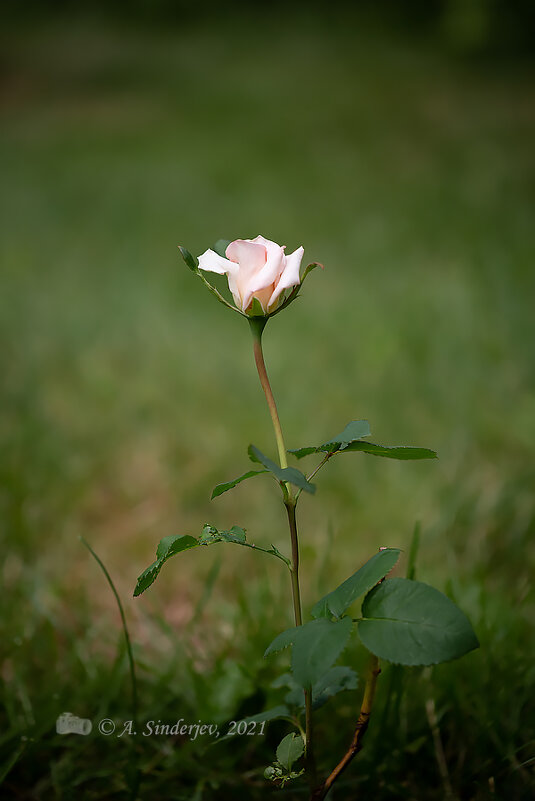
255	268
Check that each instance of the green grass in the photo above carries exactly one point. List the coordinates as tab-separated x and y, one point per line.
128	393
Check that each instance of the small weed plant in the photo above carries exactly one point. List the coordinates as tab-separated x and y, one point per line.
399	620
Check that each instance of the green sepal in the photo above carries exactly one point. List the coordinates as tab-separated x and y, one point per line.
188	258
194	267
296	290
256	310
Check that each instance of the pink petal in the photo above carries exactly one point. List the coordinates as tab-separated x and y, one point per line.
233	286
290	275
271	271
261	240
249	255
214	263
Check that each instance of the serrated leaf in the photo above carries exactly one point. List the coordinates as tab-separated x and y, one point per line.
167	547
283	680
282	640
284	474
221	488
255	455
276	713
236	534
354	430
404	452
148	577
290	749
188	258
297	478
317	645
299	453
411	623
366	577
271	773
351	433
337	679
208	533
296	695
350	439
221	246
181	543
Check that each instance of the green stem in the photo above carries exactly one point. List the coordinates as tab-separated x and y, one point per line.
257	326
294	566
310	759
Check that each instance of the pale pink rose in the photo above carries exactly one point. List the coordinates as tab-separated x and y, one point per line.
255	268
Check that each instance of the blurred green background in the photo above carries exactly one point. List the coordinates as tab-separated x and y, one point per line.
395	142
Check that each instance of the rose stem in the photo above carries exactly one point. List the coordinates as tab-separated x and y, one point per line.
257	326
360	731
